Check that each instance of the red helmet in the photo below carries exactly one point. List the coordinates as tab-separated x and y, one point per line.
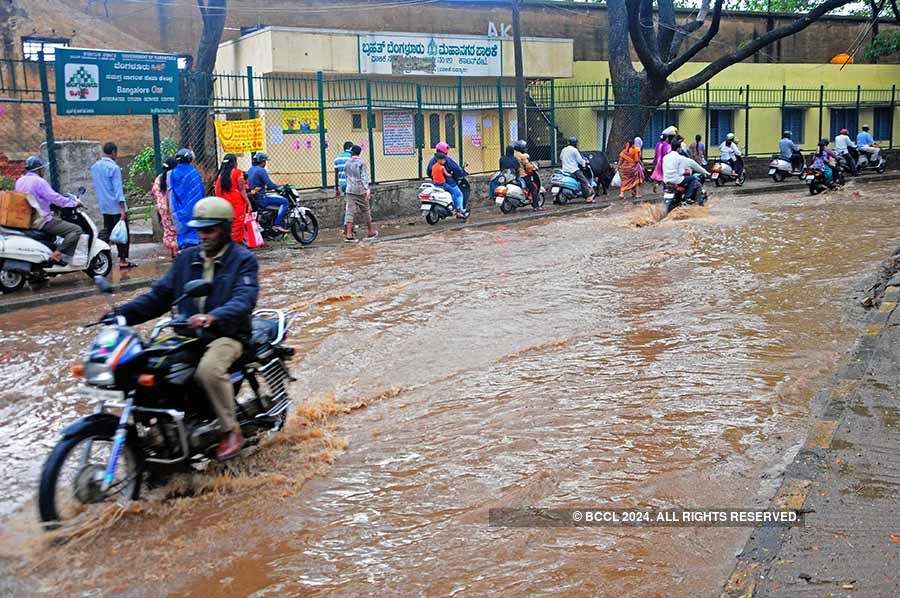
845	132
442	147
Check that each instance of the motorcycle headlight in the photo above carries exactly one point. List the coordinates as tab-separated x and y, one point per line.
98	374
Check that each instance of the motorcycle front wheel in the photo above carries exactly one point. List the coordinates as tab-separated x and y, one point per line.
305	228
101	265
71	477
10	281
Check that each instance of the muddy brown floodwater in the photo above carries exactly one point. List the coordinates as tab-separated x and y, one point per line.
578	361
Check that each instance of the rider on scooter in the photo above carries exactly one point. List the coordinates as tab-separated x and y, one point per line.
846	149
456	174
790	151
528	172
675	165
571	163
866	143
730	153
34	184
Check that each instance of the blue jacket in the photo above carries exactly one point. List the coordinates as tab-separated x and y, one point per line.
185	189
455	171
258	176
234	294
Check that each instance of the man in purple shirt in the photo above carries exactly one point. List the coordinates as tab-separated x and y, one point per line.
33	183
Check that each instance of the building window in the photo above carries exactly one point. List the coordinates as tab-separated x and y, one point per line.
434	129
792	120
655	127
884	123
843	118
720	124
356	121
32	45
450	129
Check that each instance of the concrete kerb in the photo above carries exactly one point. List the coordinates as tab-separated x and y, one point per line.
774	187
809	467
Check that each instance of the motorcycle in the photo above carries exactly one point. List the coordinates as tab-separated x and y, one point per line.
437	203
815	180
25	254
509	195
299	219
865	163
151	419
780	169
722	172
673	195
565	187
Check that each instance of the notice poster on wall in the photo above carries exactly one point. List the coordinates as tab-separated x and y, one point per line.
240	136
398	133
300	118
470	124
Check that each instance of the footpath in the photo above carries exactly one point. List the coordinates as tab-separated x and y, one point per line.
845	480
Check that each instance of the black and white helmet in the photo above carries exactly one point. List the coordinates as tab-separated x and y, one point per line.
34	163
520	146
260	157
184	156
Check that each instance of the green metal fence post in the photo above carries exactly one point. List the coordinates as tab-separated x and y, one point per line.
420	124
821	108
250	99
706	123
553	135
500	130
858	93
370	125
893	104
320	90
48	121
747	122
157	150
605	112
459	117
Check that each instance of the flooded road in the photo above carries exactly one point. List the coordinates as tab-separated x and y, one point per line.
570	362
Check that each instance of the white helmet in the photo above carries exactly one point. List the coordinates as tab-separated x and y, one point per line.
729	137
673	130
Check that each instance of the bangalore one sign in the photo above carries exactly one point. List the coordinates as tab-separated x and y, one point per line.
415	54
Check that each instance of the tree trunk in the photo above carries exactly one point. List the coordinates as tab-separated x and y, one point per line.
635	105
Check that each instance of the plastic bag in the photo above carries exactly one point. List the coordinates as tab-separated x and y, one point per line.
616	180
80	257
252	232
119	233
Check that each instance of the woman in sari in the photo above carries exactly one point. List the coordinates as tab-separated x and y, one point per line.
160	193
663	147
631	169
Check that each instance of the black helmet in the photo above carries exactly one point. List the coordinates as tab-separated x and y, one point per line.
520	145
33	163
787	134
184	156
573	141
260	157
823	141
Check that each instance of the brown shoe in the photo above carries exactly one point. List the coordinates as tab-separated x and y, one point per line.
230	447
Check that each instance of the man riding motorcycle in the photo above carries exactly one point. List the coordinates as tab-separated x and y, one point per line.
790	151
730	153
866	143
222	318
34	184
846	149
571	163
674	167
259	182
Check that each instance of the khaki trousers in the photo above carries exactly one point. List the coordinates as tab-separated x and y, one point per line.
212	374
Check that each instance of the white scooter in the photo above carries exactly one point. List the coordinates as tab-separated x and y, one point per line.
780	169
866	162
437	203
25	254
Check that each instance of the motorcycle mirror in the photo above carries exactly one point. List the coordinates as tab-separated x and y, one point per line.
197	288
103	285
81	190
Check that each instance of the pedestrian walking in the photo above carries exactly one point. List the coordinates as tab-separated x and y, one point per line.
631	169
357	195
662	148
185	190
160	193
231	186
340	161
107	177
697	151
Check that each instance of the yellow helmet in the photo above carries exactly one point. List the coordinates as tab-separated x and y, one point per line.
211	211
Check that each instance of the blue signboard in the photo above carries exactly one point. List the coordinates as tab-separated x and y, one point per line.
113	82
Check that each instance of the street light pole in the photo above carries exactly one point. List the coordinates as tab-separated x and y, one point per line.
520	72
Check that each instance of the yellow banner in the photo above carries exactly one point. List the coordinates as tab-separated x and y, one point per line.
241	136
300	118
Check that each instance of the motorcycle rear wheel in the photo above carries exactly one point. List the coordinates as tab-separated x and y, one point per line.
506	207
53	510
778	176
10	281
719	181
305	228
432	217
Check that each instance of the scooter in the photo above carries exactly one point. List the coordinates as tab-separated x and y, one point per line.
865	163
510	195
815	180
673	195
722	173
437	203
780	169
25	254
565	187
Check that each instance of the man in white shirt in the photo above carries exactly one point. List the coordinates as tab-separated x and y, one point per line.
572	162
674	167
730	153
845	148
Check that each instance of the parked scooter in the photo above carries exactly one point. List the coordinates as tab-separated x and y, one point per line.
437	203
25	254
299	219
722	173
780	169
673	195
565	187
510	195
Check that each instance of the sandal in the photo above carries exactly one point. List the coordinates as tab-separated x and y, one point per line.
350	239
126	265
373	235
